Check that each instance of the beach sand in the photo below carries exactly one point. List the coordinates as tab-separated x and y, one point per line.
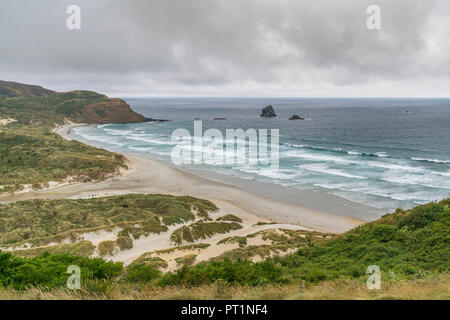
150	176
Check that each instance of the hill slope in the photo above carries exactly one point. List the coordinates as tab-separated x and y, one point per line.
27	103
28	114
15	89
405	244
408	244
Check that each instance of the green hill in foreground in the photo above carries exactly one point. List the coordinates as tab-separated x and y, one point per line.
406	245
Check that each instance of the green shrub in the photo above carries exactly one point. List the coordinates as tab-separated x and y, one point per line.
240	272
141	272
229	217
49	271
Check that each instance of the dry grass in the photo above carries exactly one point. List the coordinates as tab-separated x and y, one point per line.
81	248
106	248
433	287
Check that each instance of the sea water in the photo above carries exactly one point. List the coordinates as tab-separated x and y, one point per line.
384	153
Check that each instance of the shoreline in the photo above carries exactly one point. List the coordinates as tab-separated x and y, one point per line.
151	176
176	181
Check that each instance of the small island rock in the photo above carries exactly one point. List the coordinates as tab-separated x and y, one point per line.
268	112
296	117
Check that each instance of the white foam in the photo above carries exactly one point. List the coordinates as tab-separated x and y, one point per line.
282	174
322	168
393	166
149	140
382	154
420	180
318	157
394	194
431	160
103	125
445	174
115	132
141	148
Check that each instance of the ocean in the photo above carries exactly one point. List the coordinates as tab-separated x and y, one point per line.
383	153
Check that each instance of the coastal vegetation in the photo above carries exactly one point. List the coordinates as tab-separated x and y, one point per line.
23	149
27	141
202	230
40	222
408	245
404	244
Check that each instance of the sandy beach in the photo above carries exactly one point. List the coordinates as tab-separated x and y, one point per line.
150	176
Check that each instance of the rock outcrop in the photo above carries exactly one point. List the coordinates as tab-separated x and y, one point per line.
268	112
296	117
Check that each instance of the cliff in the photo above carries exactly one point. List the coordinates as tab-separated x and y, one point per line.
111	111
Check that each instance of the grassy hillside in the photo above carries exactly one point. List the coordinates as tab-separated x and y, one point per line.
14	89
77	106
403	244
35	156
406	245
28	143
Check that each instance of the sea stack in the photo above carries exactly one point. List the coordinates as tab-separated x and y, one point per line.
296	117
268	112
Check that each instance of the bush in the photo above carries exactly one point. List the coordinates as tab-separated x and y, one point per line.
142	272
240	272
50	271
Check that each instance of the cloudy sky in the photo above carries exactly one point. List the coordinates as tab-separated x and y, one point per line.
293	48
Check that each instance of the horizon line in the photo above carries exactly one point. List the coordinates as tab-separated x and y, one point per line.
274	97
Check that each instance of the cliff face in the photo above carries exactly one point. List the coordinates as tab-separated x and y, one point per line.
15	89
111	111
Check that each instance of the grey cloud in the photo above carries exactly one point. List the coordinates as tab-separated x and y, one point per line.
228	47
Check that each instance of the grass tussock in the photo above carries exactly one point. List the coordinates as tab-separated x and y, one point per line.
187	260
202	230
106	248
229	217
81	248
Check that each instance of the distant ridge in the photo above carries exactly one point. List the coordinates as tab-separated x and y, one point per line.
15	89
25	102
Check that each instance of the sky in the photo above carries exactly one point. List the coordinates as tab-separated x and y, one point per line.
282	48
